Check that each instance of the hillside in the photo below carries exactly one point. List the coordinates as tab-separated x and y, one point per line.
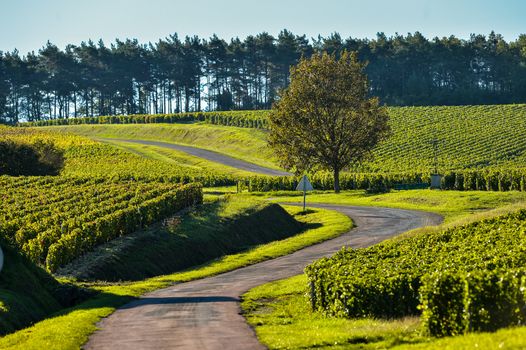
469	137
216	229
244	143
28	293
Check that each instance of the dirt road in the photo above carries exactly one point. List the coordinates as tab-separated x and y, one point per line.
205	314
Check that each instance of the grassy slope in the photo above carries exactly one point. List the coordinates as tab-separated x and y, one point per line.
216	229
28	293
178	158
453	205
469	136
282	317
243	143
86	157
70	328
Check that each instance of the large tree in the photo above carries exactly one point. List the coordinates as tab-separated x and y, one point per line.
325	119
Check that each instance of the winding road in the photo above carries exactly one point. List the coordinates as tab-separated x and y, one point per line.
205	314
211	156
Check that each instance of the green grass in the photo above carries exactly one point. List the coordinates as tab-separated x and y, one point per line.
281	315
453	205
243	143
85	157
27	293
178	158
71	328
225	226
469	137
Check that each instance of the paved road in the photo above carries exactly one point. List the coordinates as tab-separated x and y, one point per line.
205	314
212	156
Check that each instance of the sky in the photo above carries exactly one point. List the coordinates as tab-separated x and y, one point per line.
28	24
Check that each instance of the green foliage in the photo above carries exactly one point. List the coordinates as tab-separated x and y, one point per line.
70	329
324	119
454	303
54	220
283	320
244	119
469	137
88	158
479	147
38	158
215	229
490	179
28	293
384	280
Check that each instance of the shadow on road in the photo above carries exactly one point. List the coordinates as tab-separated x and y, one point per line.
180	300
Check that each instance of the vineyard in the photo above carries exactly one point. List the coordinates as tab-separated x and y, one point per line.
245	119
468	278
467	137
54	220
85	157
464	279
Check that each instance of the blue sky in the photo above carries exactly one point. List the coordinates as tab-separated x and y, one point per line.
29	24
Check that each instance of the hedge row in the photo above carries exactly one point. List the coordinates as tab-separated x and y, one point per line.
455	303
387	280
247	119
482	180
121	222
372	181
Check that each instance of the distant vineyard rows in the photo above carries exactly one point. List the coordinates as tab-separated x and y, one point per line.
246	119
85	157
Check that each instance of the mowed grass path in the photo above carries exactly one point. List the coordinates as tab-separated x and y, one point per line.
243	143
178	158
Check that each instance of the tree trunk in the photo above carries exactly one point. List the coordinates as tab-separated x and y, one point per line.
336	180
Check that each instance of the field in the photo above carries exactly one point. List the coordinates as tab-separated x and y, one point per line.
469	137
152	216
54	220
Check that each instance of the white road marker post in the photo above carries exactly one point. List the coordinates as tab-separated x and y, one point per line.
304	186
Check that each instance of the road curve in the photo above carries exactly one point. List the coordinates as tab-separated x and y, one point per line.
211	156
205	314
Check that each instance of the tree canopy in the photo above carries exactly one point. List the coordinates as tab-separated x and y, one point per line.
192	74
325	118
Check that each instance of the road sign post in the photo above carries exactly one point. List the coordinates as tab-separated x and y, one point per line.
304	186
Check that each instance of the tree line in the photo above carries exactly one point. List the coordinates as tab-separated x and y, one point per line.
195	74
